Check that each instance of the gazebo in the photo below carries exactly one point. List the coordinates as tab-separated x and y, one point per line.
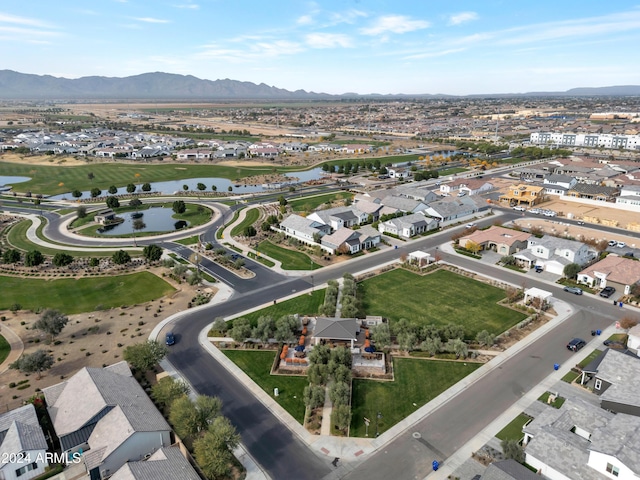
421	258
534	292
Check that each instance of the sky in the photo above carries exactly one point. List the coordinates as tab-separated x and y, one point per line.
455	47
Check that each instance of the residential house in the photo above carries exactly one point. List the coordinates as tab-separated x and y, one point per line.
504	241
554	253
633	340
166	463
588	191
507	470
399	172
629	196
409	225
523	194
615	378
304	229
556	184
22	444
402	204
455	209
372	209
417	191
475	186
105	413
194	154
339	217
614	271
582	441
351	241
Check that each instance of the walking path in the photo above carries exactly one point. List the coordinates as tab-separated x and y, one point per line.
17	347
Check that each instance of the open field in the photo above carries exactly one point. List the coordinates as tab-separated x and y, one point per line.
416	383
310	204
257	364
291	259
82	295
303	304
250	218
439	298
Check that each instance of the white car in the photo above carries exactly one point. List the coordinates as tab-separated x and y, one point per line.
470	225
534	210
621	244
519	208
612	243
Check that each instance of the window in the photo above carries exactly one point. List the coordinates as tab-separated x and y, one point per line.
598	384
612	470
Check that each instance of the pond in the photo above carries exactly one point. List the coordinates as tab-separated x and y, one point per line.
8	180
156	219
222	185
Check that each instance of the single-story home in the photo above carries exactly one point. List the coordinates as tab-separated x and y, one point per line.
618	272
504	241
22	444
408	226
351	241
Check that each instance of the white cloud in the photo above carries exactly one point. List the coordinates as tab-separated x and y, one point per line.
349	17
394	24
435	53
462	17
328	40
32	22
251	52
151	20
305	20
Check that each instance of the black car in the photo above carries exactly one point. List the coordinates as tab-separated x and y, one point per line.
170	339
606	292
576	344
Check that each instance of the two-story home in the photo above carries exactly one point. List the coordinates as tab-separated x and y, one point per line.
304	229
553	253
556	184
339	217
629	197
105	413
523	194
22	444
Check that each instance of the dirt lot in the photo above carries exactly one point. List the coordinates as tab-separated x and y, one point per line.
89	340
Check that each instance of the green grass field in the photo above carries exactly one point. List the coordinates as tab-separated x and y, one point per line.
416	381
310	204
257	365
291	259
303	304
58	178
5	348
513	431
441	297
250	218
82	295
451	171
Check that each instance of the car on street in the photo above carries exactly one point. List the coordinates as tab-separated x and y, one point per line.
576	344
612	243
519	208
170	339
606	292
535	211
470	225
621	244
574	290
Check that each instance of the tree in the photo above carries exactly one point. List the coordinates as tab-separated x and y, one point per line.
11	255
342	416
339	394
138	224
286	327
472	246
628	322
95	192
135	203
341	356
81	211
452	330
33	258
264	330
572	270
241	329
457	346
94	262
146	355
220	325
320	355
201	186
214	188
51	322
282	200
213	451
121	257
131	188
146	187
381	335
152	252
249	231
318	374
76	194
512	450
431	345
36	362
91	176
179	206
113	190
407	341
191	418
485	338
113	202
313	396
62	259
167	390
230	188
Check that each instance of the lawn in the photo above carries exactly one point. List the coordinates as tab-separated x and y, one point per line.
416	382
513	431
592	356
557	403
439	298
291	259
192	240
250	218
303	304
5	348
82	295
257	364
309	204
60	178
451	171
570	376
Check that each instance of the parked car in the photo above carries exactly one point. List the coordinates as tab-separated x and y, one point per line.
574	290
461	194
535	210
576	344
621	244
170	339
612	243
470	225
538	268
519	208
606	292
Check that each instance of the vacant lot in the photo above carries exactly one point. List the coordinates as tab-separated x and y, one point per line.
302	304
82	295
291	259
439	298
310	204
416	383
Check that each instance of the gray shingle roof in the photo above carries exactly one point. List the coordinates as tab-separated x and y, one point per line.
336	328
623	373
508	470
164	464
620	438
20	431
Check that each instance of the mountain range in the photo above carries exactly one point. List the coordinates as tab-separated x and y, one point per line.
168	86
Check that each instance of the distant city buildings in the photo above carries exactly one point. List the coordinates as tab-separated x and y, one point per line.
592	140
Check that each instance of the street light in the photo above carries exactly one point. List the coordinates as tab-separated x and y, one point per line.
378	417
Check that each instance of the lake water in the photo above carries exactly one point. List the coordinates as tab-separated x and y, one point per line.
7	180
156	219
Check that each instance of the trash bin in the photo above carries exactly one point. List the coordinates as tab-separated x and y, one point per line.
556	366
593	333
598	332
435	465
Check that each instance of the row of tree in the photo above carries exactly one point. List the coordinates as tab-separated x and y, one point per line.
284	329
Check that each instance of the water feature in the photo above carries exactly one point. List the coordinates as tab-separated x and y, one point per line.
6	180
156	219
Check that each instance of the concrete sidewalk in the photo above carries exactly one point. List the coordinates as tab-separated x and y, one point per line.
16	345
